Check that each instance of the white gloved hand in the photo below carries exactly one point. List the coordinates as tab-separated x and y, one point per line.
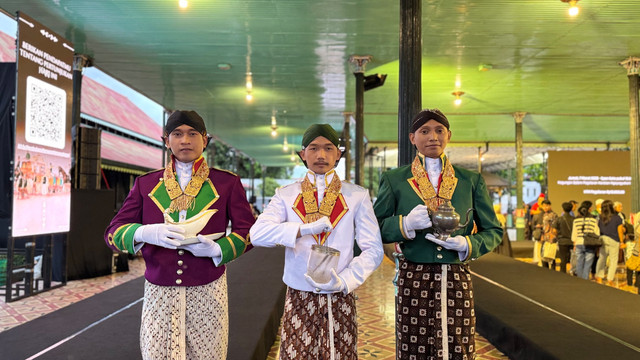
334	285
457	243
206	248
167	236
417	219
316	227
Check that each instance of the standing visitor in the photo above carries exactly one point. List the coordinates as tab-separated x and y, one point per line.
563	225
612	234
583	223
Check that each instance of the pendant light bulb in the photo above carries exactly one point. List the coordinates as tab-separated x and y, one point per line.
458	100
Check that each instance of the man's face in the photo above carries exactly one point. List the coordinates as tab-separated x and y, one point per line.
321	155
431	139
546	207
617	207
186	143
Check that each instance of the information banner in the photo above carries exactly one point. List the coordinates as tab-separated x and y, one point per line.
589	175
42	156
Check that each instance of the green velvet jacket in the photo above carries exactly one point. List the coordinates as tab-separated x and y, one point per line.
396	198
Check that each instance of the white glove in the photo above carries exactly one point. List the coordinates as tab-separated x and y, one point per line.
334	285
167	236
457	243
206	248
316	227
417	219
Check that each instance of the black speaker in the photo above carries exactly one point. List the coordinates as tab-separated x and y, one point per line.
89	158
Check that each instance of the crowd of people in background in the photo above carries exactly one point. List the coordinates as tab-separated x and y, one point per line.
566	231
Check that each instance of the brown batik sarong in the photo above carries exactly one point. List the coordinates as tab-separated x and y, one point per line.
432	323
306	326
185	322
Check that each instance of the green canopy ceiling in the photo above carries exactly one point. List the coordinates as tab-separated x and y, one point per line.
508	55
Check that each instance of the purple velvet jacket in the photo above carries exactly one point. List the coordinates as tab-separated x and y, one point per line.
145	205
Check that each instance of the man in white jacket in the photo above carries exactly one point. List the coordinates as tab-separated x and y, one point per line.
320	318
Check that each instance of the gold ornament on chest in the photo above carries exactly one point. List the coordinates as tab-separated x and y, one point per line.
184	200
312	212
425	189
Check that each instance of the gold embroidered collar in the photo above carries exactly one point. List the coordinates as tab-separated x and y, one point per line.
184	200
312	213
446	185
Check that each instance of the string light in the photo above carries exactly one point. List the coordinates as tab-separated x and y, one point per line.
249	87
249	82
274	126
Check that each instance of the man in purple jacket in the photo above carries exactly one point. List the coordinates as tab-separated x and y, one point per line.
166	217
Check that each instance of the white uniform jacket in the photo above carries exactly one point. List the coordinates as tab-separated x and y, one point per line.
279	223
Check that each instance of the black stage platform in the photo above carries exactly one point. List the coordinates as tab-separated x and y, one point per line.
106	326
529	312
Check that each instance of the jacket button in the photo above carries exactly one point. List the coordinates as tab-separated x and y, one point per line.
179	272
178	281
180	262
439	256
439	248
180	252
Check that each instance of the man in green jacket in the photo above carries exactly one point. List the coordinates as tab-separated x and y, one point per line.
435	309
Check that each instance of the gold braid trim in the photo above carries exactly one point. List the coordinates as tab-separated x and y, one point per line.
424	185
328	201
449	180
427	192
184	200
309	201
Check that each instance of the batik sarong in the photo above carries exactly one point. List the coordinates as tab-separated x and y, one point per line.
315	328
435	316
185	322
